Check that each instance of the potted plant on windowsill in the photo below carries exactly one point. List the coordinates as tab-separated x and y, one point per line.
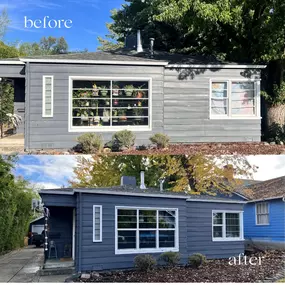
129	89
138	113
84	115
106	116
115	114
122	115
115	90
97	117
95	91
139	93
103	90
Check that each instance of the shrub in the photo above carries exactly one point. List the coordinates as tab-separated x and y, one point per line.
276	133
124	139
170	258
91	142
160	140
196	260
145	262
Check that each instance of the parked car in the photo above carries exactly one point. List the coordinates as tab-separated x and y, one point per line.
38	239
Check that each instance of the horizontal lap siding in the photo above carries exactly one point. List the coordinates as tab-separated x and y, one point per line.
186	109
12	71
53	132
100	256
199	231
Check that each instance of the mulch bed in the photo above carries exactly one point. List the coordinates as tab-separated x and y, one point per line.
204	148
212	271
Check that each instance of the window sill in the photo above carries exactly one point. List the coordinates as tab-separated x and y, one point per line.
228	239
146	250
108	129
262	224
234	118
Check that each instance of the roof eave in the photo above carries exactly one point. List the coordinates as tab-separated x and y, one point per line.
209	66
266	199
11	62
217	201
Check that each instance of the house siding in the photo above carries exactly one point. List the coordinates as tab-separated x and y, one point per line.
53	132
12	71
274	232
187	108
199	231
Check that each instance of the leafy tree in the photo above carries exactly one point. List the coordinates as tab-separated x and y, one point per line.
15	206
4	21
7	51
196	174
250	31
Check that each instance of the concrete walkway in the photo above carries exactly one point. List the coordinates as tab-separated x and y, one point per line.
23	266
10	144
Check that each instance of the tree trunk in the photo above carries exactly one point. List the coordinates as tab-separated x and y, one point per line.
276	114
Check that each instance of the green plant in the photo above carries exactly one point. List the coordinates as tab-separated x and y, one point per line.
196	260
276	133
129	89
160	140
124	139
103	90
144	262
91	142
278	95
170	258
138	112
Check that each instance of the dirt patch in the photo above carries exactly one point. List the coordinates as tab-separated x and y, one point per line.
212	271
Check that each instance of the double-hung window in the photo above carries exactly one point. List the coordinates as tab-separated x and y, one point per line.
107	104
97	223
146	230
234	99
227	225
262	213
47	96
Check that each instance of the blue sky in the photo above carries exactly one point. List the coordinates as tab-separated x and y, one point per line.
89	18
54	171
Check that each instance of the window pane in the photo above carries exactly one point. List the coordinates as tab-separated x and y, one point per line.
218	231
167	238
232	225
97	223
218	218
219	90
127	219
126	239
147	239
147	219
167	219
219	106
48	80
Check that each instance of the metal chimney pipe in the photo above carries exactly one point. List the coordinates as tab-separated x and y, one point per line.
151	47
161	181
142	186
139	42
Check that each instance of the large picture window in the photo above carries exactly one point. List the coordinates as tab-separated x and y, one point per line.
227	226
110	104
146	230
234	99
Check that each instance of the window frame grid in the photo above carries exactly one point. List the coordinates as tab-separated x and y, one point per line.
224	238
229	116
137	230
44	115
256	214
110	128
100	226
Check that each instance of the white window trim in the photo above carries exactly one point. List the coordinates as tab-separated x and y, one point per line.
257	115
97	206
44	115
224	238
113	128
147	250
256	214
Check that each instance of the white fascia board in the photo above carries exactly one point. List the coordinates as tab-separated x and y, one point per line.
11	62
108	62
217	201
206	66
56	192
265	199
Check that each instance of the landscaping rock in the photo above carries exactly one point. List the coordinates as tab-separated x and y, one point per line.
273	143
95	274
85	276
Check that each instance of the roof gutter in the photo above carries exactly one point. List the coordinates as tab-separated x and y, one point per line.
217	201
266	199
108	62
213	66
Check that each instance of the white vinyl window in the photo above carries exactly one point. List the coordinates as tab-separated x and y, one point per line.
47	96
109	104
227	226
262	213
234	99
97	223
142	230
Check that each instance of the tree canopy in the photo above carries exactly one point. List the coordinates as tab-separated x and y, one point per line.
196	174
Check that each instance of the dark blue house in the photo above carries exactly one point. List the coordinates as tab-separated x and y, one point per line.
264	213
105	228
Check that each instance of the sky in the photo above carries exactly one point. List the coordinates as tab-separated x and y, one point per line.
54	171
89	18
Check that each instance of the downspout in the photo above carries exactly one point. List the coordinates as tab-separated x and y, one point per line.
27	107
80	234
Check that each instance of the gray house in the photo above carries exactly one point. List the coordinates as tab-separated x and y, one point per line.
105	228
190	98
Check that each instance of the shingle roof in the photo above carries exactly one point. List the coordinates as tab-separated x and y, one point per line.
273	188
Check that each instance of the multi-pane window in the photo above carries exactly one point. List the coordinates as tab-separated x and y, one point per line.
110	104
227	225
233	99
97	223
47	96
146	230
262	213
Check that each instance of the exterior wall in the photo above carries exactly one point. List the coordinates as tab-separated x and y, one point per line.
53	132
274	232
199	231
51	200
186	108
12	71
